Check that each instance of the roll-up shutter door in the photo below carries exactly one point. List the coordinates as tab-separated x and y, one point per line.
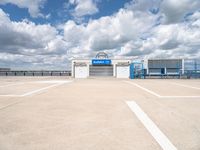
101	71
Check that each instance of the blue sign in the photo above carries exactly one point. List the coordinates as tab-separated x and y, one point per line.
101	62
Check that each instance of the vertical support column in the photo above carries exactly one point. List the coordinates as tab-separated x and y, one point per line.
143	75
88	69
183	66
72	69
132	76
114	70
145	65
147	70
195	66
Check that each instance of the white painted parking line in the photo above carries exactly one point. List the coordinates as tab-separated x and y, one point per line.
192	96
187	86
38	90
45	88
11	85
145	89
4	107
52	81
153	129
30	93
10	95
160	96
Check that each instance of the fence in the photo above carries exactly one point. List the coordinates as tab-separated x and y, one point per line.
35	73
192	68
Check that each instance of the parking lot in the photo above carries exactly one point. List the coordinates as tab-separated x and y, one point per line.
59	113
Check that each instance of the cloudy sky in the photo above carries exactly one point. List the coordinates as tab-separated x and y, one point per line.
47	34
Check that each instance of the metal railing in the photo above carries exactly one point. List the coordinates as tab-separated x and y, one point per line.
35	73
192	74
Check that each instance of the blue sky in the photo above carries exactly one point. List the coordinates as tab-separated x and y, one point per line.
47	34
58	11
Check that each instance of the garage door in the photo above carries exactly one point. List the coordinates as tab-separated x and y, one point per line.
123	71
101	71
80	71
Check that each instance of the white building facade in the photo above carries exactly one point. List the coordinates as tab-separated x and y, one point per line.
101	66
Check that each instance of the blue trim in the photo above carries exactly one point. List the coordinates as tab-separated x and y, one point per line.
101	62
132	70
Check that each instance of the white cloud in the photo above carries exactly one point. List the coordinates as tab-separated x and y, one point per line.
175	10
84	7
175	41
39	62
131	32
32	5
194	19
107	33
143	5
25	35
25	42
122	35
135	49
172	11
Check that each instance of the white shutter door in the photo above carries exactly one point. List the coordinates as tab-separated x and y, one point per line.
123	71
80	71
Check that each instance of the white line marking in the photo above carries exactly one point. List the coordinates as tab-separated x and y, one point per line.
160	96
10	95
28	95
145	89
11	85
42	89
192	96
52	81
183	85
38	90
157	134
1	108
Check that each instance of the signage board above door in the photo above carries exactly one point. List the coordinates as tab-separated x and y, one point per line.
101	62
